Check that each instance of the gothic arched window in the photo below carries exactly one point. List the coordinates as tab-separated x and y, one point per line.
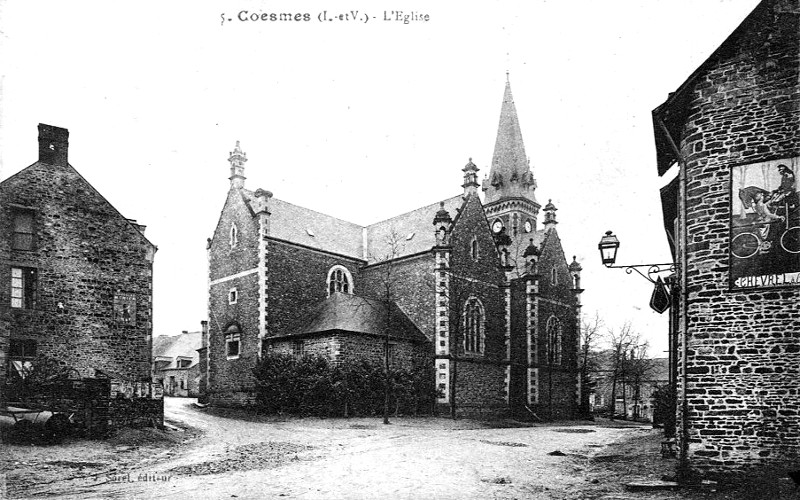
339	280
473	326
554	339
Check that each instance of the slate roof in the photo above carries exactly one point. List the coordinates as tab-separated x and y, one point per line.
414	230
313	229
184	345
351	313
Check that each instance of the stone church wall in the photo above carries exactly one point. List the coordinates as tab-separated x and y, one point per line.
298	280
412	287
480	378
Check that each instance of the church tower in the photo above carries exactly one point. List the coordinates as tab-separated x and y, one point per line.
510	203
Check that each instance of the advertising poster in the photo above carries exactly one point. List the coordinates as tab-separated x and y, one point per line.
765	225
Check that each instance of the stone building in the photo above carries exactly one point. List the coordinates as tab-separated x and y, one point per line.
476	289
176	363
77	274
731	131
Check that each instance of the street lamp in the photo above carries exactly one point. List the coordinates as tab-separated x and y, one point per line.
608	246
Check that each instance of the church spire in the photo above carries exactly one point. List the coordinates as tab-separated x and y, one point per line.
510	175
237	159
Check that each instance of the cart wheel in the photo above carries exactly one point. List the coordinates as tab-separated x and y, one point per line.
57	426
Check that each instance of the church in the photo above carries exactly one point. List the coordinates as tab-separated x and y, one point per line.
477	291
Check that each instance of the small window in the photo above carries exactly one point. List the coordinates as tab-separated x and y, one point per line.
233	296
232	341
183	382
339	280
23	287
474	249
392	352
234	236
299	348
232	347
21	353
553	277
22	349
23	231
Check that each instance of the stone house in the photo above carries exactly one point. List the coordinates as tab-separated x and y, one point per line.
731	136
634	391
77	275
475	289
176	363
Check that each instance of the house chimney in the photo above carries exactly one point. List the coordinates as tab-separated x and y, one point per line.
53	144
204	336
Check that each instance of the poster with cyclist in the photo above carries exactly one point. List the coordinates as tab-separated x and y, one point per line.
765	224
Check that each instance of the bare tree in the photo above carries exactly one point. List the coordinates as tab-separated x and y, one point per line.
385	288
621	340
638	367
591	336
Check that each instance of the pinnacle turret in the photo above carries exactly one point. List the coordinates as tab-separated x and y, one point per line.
237	160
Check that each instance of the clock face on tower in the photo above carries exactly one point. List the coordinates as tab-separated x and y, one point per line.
528	226
497	226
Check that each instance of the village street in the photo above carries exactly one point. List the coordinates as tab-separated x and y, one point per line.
236	456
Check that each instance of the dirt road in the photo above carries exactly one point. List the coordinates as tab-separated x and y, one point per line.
248	457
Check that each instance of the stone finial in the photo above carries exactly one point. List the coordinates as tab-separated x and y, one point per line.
442	222
575	270
550	215
237	160
470	178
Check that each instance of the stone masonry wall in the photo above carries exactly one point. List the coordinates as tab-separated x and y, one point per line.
743	346
479	378
412	286
298	280
86	256
233	267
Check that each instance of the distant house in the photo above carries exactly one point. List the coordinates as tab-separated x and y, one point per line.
176	363
634	390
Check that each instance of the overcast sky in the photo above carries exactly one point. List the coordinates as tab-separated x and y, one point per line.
359	120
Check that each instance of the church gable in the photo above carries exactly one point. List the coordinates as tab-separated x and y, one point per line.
474	250
234	246
556	281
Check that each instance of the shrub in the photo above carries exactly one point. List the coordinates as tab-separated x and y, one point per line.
664	408
313	386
